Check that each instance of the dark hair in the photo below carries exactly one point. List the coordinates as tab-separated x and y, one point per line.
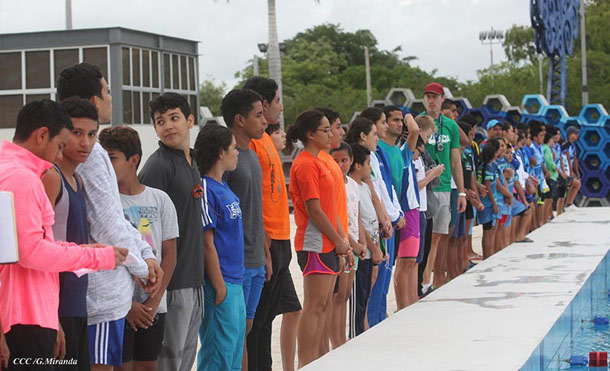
360	153
78	108
359	125
343	147
38	114
305	123
549	134
488	152
536	130
329	113
267	88
81	80
535	123
506	125
372	113
272	128
447	103
167	101
211	139
466	127
389	109
469	119
520	136
238	101
123	139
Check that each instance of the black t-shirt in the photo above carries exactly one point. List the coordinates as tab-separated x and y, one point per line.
467	167
167	169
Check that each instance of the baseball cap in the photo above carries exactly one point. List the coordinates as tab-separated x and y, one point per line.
493	123
572	130
434	87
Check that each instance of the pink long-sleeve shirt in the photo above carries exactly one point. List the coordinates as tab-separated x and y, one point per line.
29	294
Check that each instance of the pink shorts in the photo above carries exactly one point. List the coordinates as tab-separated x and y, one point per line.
409	235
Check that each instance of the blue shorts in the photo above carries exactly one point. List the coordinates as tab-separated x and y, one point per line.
222	330
460	226
518	208
486	216
106	342
254	280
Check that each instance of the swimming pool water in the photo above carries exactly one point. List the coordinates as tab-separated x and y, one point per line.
574	333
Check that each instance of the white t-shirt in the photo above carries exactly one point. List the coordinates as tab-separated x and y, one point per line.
353	208
420	175
153	214
368	215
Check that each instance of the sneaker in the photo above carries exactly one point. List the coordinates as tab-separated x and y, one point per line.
571	207
425	287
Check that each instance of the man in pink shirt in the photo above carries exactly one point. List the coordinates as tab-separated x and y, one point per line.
29	294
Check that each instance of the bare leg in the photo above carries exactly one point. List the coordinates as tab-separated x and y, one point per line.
488	242
338	336
101	368
328	316
288	338
573	191
431	258
316	290
244	359
440	265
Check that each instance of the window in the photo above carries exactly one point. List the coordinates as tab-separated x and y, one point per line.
99	57
63	59
9	107
29	75
135	67
127	111
192	78
175	72
37	70
167	71
183	73
146	68
126	66
146	108
10	65
155	69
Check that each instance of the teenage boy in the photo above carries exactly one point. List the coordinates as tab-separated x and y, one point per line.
242	110
30	287
152	213
64	188
279	295
172	168
109	293
444	148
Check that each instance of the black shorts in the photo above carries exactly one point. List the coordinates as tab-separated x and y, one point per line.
318	263
562	187
144	345
489	225
77	343
552	192
281	255
30	341
469	211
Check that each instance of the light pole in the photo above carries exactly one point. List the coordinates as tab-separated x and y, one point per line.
491	37
583	54
262	47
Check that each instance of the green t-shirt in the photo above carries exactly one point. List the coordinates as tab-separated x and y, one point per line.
549	162
449	135
396	161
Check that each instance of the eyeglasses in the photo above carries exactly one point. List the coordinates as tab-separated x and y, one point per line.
326	130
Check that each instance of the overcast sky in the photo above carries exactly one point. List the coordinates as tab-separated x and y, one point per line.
442	34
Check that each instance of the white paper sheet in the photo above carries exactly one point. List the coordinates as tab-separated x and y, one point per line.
9	249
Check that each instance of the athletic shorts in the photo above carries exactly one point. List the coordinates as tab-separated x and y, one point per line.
77	344
145	344
106	342
562	187
460	226
453	207
222	330
318	263
517	209
469	210
552	193
409	235
502	219
486	215
254	280
440	222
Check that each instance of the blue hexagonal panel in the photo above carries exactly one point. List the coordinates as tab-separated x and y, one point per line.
513	114
592	114
463	105
592	138
607	172
606	150
595	185
554	113
570	121
533	103
606	125
417	106
592	162
496	103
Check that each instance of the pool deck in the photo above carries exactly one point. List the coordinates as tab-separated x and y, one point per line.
493	316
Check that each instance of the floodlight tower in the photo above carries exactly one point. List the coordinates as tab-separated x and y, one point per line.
491	37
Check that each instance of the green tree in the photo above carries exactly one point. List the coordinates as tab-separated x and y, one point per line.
210	95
